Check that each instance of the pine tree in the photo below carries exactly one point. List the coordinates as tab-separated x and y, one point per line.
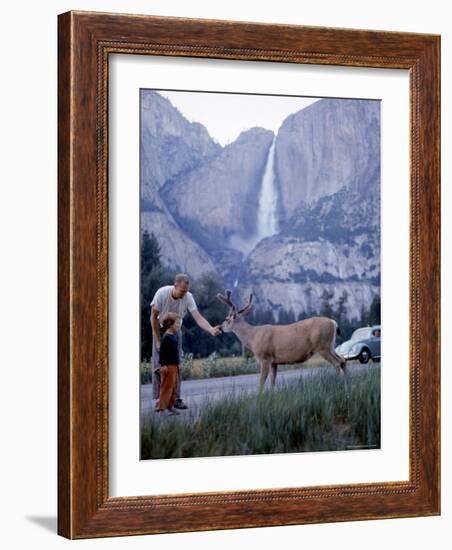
341	311
152	276
326	309
150	252
374	315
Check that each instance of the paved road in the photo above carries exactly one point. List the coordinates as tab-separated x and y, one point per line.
197	392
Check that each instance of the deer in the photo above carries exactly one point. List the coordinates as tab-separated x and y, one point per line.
274	345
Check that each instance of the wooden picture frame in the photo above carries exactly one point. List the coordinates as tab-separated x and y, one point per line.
85	42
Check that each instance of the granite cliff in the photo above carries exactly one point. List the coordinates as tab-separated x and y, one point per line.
328	145
202	202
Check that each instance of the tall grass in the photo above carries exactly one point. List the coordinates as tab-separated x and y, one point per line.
321	411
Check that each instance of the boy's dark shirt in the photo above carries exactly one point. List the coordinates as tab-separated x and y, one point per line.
169	349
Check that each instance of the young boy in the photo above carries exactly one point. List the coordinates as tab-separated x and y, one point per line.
169	362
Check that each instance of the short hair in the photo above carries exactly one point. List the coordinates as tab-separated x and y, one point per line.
181	278
168	320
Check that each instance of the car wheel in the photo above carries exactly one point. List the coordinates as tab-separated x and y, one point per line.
364	356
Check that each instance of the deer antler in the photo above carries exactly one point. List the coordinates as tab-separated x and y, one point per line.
226	299
247	306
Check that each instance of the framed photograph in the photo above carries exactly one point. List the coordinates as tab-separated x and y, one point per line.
243	208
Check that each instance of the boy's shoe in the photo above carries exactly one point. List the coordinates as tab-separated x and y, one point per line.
173	412
179	404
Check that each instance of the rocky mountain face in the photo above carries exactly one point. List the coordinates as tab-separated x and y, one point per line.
324	147
170	145
333	245
201	202
178	251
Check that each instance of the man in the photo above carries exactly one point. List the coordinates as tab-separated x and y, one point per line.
177	299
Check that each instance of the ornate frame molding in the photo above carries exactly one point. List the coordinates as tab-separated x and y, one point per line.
85	42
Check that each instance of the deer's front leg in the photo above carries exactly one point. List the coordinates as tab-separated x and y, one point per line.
265	368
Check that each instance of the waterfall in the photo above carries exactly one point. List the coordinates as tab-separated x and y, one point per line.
267	223
266	218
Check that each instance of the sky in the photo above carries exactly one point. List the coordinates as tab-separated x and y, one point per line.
227	115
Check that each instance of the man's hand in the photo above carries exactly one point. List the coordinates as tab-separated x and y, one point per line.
215	331
204	324
157	346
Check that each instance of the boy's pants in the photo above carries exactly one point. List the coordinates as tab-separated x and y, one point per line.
156	369
169	375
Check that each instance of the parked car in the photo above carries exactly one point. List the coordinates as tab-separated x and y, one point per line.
363	345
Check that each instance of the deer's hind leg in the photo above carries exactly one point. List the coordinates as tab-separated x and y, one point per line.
341	360
273	373
333	358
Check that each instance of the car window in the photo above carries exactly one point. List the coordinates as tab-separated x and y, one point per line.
361	334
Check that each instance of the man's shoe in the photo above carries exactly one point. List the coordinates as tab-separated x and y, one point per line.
179	404
173	412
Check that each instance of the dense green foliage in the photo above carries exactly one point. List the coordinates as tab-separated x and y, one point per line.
152	276
319	412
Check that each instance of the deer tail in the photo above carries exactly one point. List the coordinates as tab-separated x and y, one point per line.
337	331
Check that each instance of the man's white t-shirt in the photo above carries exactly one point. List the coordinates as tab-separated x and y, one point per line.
164	302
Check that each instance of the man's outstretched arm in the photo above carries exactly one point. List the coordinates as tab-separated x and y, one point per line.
203	323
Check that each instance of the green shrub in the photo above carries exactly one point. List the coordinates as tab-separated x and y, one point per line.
146	373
